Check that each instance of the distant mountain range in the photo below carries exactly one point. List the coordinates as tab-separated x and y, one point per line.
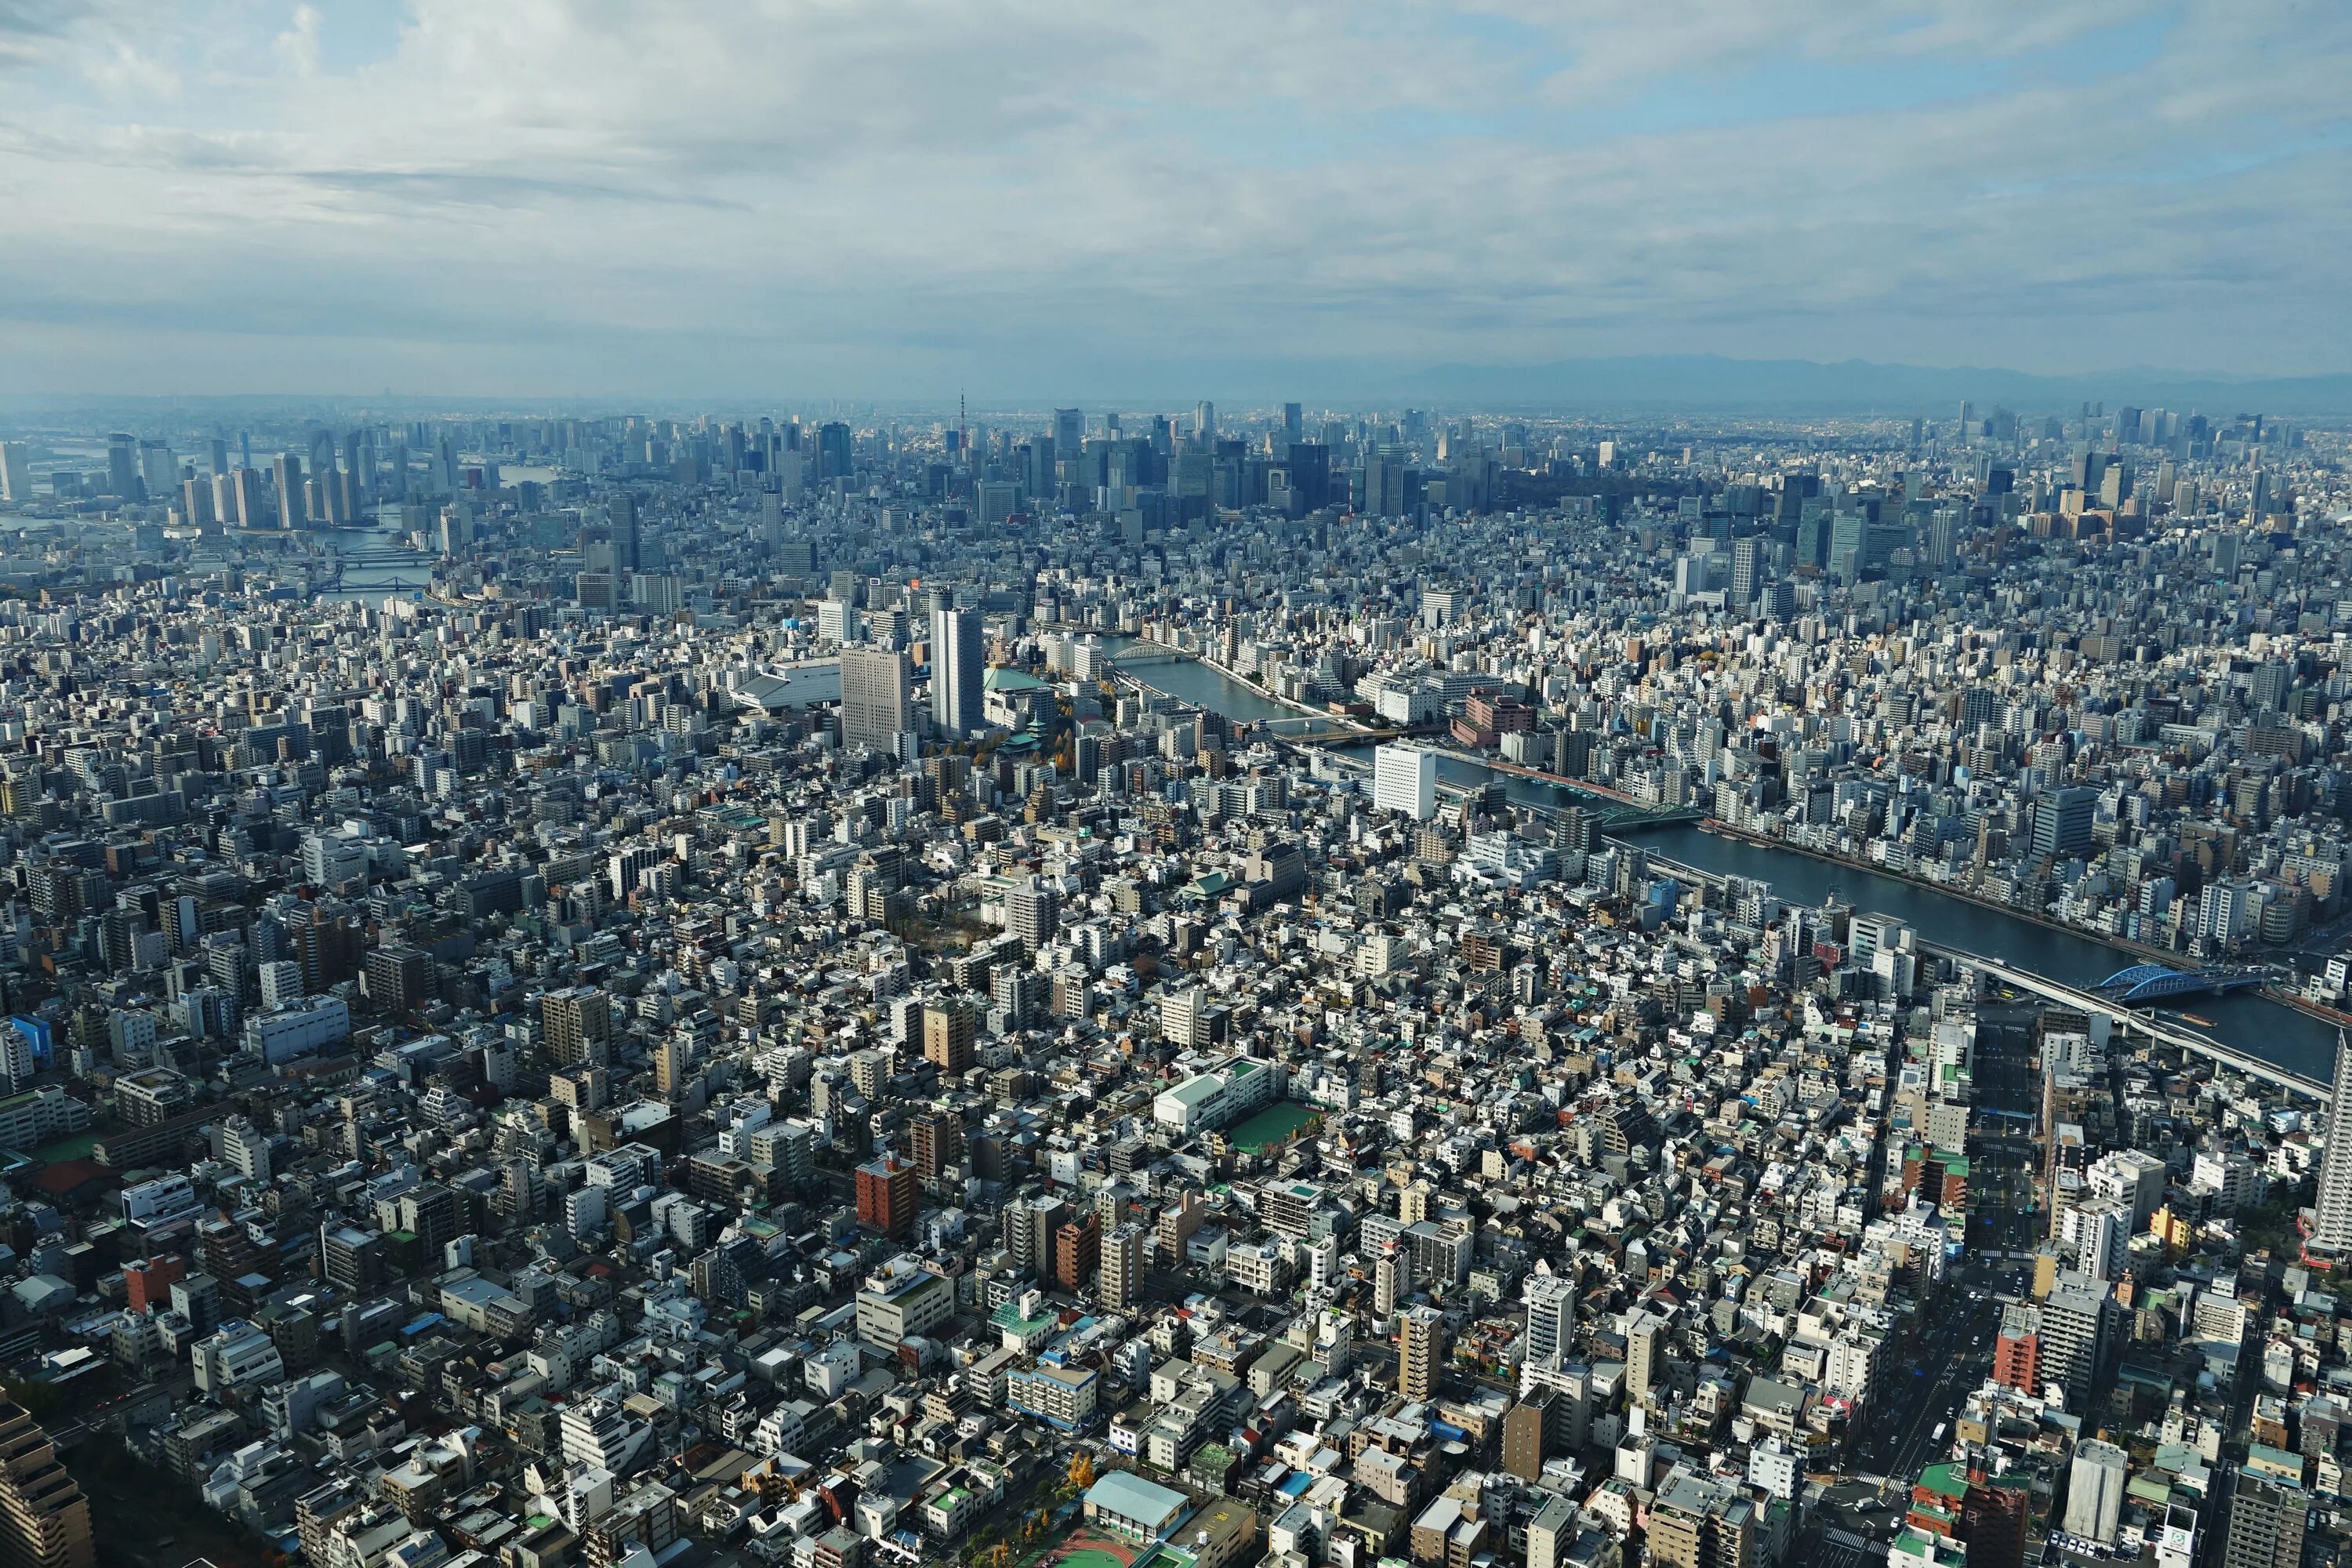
1858	386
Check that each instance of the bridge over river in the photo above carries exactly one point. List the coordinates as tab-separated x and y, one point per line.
2180	1036
2089	1002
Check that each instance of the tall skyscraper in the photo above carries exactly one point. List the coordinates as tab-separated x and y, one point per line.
15	472
834	456
1037	471
877	697
1747	570
159	471
627	551
122	480
287	472
2333	1231
249	513
44	1518
1204	422
1293	427
1069	432
957	671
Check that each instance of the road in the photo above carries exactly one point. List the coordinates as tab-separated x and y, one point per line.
1948	1352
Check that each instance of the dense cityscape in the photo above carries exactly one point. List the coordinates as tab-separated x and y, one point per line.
841	986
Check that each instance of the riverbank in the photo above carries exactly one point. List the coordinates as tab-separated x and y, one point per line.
1191	679
1950	890
2308	1007
1302	709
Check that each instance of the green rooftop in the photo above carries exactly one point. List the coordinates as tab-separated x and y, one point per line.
1945	1480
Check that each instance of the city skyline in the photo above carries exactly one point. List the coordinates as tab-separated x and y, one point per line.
896	785
754	989
544	201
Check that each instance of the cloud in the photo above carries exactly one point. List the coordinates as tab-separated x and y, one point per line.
855	196
29	29
297	46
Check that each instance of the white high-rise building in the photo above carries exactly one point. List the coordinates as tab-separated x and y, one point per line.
1551	1318
875	697
1322	1262
2102	1235
281	984
2333	1231
958	670
1404	778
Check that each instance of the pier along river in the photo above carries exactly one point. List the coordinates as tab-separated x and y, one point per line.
2244	1019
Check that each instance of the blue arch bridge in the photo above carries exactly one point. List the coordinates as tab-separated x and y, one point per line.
2154	982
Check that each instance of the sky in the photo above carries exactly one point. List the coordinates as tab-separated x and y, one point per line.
876	198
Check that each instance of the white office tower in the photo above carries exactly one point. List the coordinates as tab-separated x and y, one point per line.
2333	1231
876	691
957	671
1404	778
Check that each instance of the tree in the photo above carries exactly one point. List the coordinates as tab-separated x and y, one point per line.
1082	1472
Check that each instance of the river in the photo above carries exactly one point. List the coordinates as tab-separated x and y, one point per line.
389	573
1196	683
2252	1023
